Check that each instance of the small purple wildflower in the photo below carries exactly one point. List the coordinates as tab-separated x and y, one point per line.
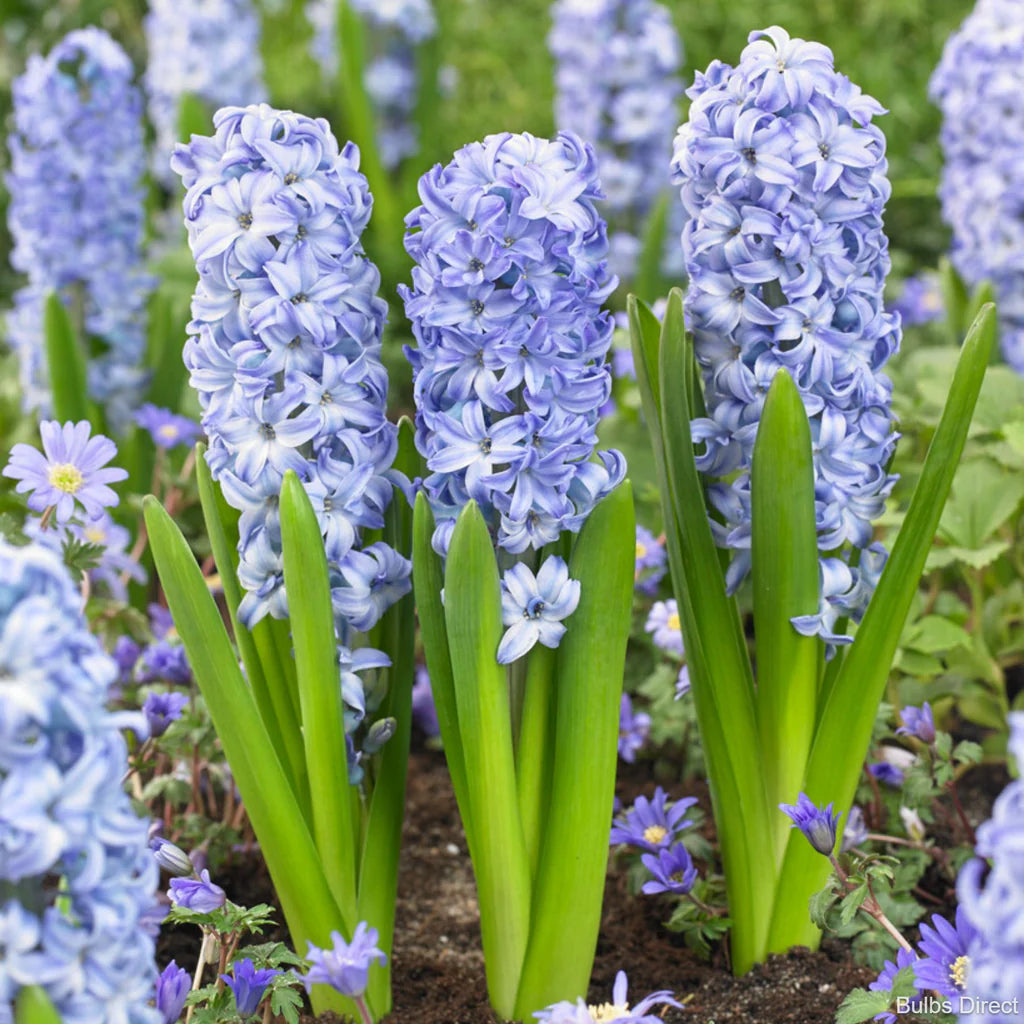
199	894
68	472
920	302
650	824
633	729
673	871
617	1010
682	683
125	653
650	561
171	858
248	985
883	983
345	967
817	824
663	623
165	662
532	607
887	773
424	711
944	961
918	722
161	709
167	429
172	988
160	620
855	831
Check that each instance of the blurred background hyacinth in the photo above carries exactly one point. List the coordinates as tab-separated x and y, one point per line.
76	215
440	577
205	49
783	177
395	28
618	85
977	86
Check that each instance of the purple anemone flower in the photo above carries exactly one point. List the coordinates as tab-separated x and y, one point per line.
199	894
918	722
172	988
346	966
167	429
161	709
673	871
944	963
817	824
652	825
664	626
248	985
887	773
617	1010
883	983
633	729
68	472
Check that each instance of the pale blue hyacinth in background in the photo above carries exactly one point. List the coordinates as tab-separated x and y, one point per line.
618	85
76	215
783	176
209	49
394	29
76	873
979	87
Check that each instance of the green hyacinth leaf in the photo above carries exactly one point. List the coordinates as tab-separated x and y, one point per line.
848	714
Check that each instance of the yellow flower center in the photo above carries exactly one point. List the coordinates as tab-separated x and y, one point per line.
65	476
958	971
168	431
655	833
673	622
641	550
94	534
607	1012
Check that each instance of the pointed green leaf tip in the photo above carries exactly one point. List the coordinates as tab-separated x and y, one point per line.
34	1007
66	362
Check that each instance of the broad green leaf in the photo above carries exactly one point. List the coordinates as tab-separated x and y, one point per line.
316	660
648	282
723	685
976	558
66	362
284	838
167	319
954	298
844	729
785	580
934	634
428	582
984	496
588	690
861	1005
194	117
281	725
378	865
1014	434
33	1006
472	612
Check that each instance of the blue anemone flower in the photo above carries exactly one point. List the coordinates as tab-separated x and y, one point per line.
673	870
944	965
652	825
818	824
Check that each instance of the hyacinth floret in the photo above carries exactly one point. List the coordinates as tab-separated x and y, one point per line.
979	87
991	893
77	879
509	369
617	81
209	49
394	29
285	350
783	176
76	215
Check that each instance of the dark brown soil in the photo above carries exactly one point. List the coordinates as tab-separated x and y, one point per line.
438	966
